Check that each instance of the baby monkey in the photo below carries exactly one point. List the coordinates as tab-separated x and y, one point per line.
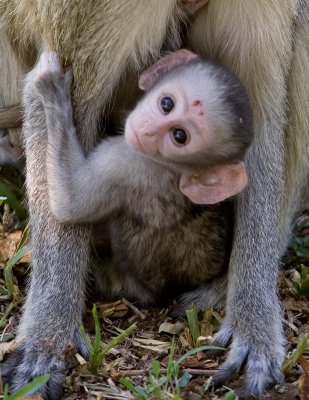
155	187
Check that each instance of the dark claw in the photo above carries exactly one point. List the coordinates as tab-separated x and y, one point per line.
80	345
8	368
27	363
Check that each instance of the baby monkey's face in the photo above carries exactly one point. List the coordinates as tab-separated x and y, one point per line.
170	121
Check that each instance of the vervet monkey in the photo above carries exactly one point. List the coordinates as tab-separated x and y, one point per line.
186	137
266	45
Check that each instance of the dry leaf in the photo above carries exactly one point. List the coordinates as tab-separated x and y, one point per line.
115	309
26	258
80	359
304	364
303	387
119	314
173	329
303	382
152	344
8	245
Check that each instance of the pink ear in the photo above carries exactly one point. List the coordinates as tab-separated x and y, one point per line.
215	184
148	77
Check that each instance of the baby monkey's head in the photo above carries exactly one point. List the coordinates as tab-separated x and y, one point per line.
195	115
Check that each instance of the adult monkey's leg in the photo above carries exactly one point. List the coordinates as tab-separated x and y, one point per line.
60	258
254	40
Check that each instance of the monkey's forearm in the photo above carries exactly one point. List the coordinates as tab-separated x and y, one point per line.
82	189
86	189
65	162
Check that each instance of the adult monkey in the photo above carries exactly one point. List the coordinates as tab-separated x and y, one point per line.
101	38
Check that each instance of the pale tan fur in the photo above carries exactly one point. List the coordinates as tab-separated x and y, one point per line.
98	50
297	139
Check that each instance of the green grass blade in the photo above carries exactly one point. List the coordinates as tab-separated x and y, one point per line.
196	350
300	349
8	190
118	339
8	273
23	239
86	338
230	395
194	325
30	387
18	255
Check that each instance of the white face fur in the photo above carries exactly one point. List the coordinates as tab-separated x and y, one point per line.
172	120
186	121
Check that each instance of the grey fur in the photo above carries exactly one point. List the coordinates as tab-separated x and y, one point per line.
278	173
61	300
266	45
159	239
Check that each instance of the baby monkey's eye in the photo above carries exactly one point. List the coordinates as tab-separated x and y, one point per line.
180	136
167	104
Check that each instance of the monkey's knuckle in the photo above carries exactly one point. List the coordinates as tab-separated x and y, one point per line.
263	369
26	364
43	79
259	377
8	367
224	374
261	358
49	72
49	60
223	336
51	390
